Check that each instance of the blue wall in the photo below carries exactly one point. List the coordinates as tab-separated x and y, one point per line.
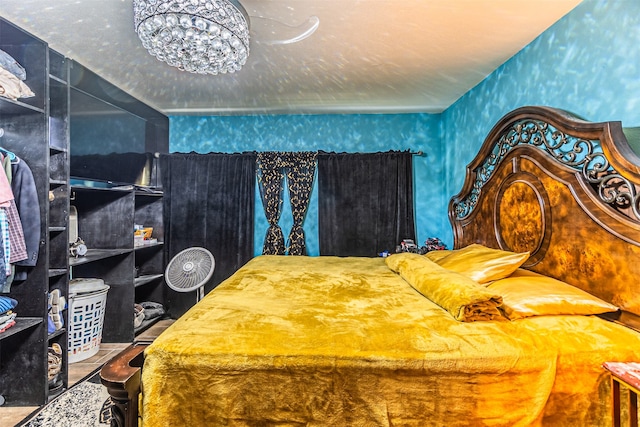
340	133
587	63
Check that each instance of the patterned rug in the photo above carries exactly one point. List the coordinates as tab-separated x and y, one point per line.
86	404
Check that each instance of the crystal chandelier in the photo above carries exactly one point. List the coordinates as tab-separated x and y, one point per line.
199	36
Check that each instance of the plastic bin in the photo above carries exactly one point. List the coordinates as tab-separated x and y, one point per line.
86	317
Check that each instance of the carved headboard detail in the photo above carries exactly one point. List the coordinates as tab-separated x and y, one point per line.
564	189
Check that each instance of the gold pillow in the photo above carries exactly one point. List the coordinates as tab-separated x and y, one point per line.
437	255
527	294
483	264
463	298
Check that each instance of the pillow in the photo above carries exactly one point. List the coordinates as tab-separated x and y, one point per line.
483	264
463	298
437	255
527	294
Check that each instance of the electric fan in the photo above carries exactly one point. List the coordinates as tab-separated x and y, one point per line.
189	270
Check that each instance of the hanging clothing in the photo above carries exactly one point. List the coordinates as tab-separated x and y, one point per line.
6	193
6	244
4	286
26	199
16	235
6	164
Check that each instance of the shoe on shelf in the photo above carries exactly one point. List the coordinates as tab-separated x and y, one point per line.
51	327
57	303
152	309
138	315
54	357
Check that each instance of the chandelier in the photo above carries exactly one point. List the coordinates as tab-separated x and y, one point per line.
199	36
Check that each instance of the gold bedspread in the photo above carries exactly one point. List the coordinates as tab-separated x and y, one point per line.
327	341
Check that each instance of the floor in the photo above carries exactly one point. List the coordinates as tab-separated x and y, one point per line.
11	416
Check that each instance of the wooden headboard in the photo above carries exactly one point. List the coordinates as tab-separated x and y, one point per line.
564	189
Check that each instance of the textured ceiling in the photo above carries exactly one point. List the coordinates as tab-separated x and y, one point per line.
373	56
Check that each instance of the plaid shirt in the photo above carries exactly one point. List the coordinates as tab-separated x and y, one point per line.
6	245
16	235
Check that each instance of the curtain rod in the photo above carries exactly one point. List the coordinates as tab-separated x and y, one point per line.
415	153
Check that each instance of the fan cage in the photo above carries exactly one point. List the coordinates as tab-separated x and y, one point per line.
190	269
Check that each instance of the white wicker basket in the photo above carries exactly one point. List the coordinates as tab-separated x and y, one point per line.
86	317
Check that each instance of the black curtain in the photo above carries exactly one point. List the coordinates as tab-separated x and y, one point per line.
365	202
208	202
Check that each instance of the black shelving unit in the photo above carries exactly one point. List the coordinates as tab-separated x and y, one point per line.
36	130
106	219
58	199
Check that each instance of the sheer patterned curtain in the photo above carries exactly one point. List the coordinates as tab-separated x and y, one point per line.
365	202
301	168
208	202
270	177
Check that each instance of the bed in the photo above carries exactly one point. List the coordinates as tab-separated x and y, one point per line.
509	329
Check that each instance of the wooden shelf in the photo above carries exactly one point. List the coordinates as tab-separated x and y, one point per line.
96	254
152	245
22	324
56	150
57	333
15	108
54	272
143	280
105	189
58	79
148	193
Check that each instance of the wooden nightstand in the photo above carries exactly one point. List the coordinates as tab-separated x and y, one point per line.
627	374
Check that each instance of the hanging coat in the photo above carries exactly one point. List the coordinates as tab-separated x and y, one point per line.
26	198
